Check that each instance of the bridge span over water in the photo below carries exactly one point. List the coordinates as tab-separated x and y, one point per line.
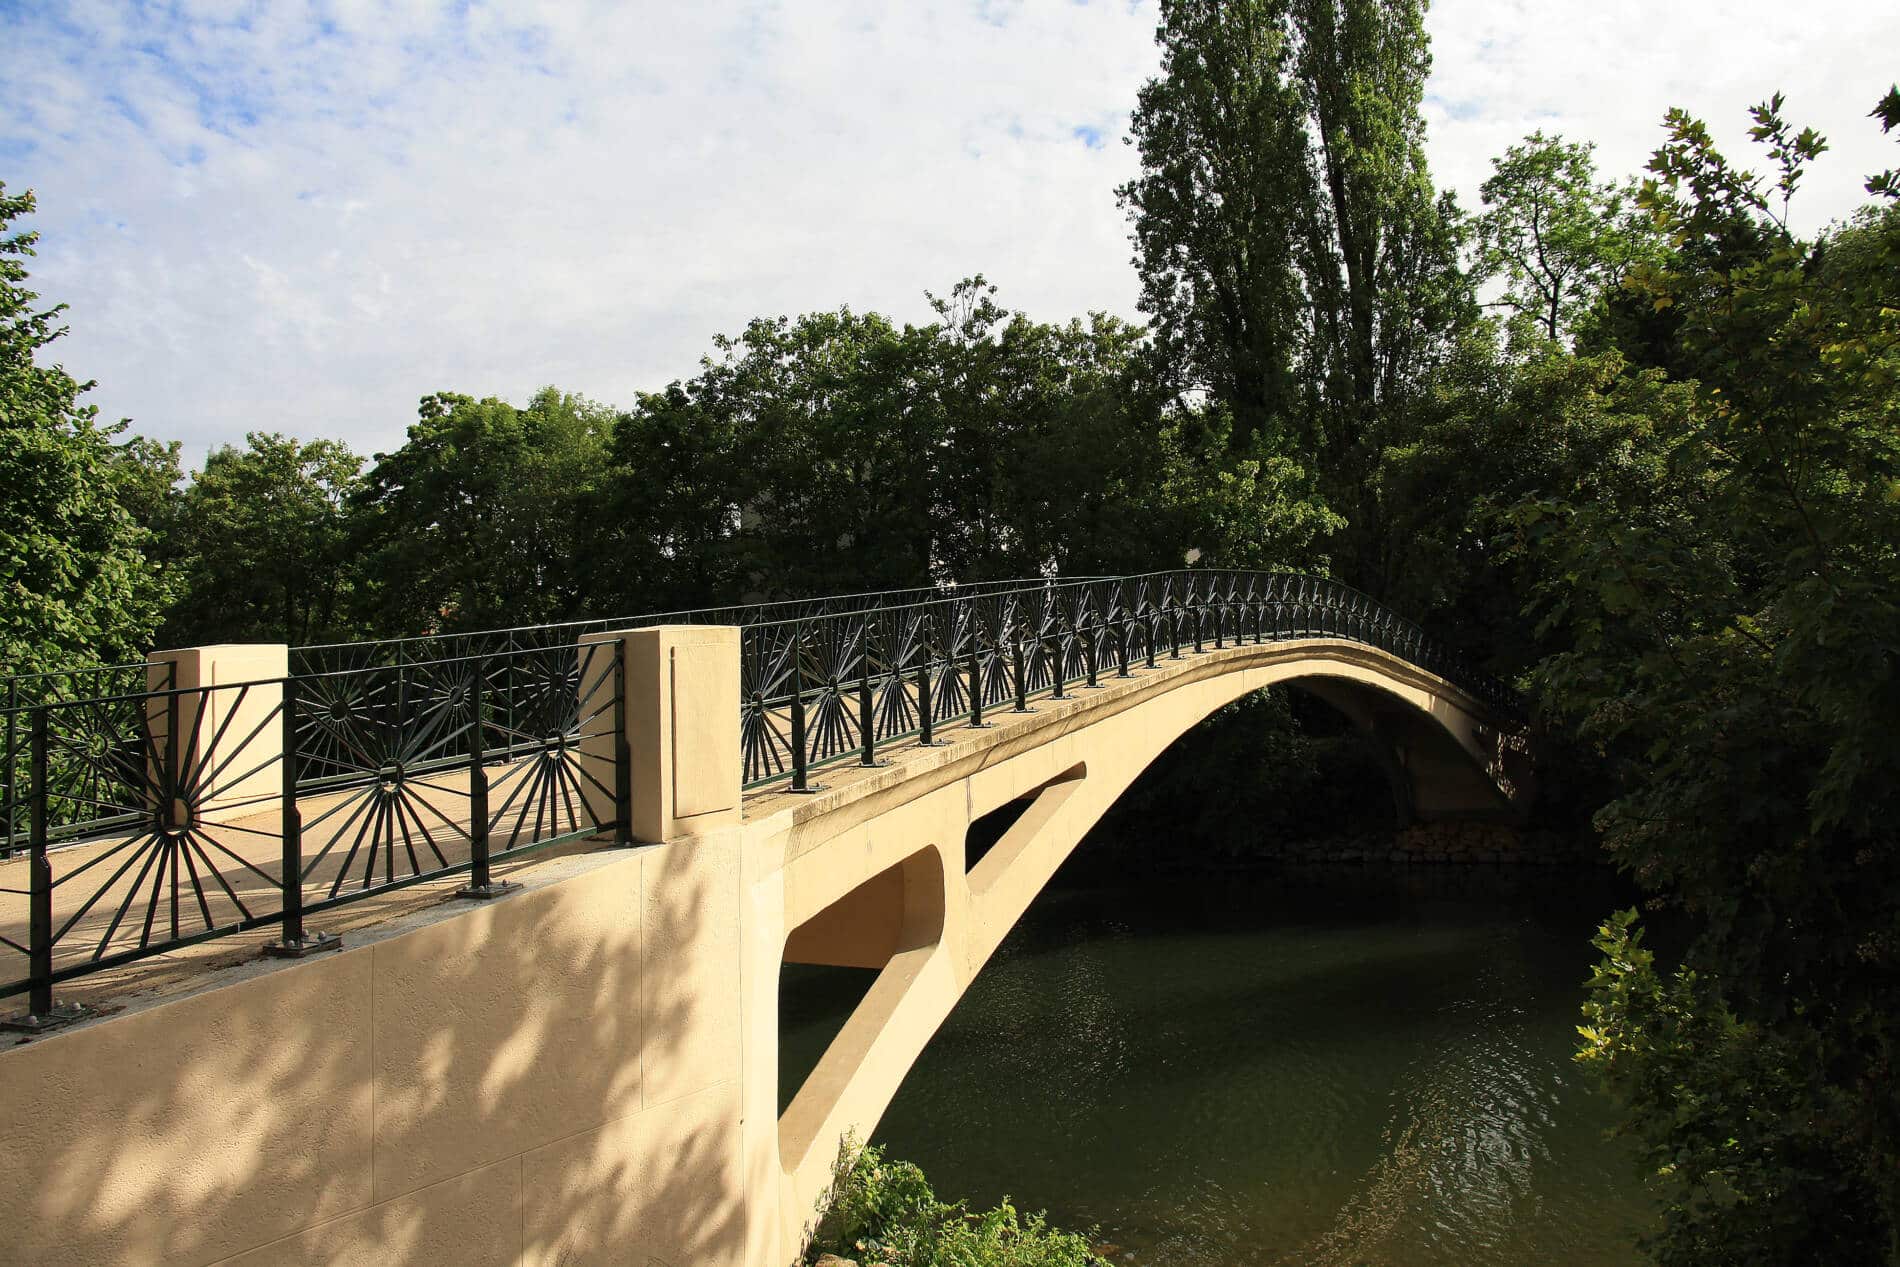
524	899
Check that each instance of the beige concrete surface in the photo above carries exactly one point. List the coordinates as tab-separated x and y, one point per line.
587	1071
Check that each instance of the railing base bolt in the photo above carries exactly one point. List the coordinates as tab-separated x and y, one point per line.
312	944
483	892
62	1015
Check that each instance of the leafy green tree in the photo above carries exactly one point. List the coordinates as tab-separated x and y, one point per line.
76	586
483	517
1555	236
842	451
1056	445
670	506
261	543
1300	271
1380	268
1219	210
1729	604
153	474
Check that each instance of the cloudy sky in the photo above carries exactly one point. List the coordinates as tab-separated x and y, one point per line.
303	217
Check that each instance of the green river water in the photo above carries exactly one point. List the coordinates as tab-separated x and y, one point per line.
1348	1066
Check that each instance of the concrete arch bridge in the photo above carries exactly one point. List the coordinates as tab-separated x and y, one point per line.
583	1067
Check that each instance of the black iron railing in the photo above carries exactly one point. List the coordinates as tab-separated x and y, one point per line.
154	816
161	818
326	657
21	692
830	686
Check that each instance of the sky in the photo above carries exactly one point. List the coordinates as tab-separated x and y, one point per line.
304	217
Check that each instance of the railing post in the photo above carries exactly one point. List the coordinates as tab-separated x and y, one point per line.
40	916
867	706
926	725
1018	669
41	1012
481	884
13	768
975	662
1173	618
296	941
1195	609
1058	671
1121	645
801	773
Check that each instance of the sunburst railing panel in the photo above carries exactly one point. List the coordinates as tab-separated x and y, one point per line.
949	659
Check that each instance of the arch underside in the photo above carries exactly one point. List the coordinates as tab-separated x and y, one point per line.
873	873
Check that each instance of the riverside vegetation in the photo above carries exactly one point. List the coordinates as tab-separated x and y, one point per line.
1635	444
883	1211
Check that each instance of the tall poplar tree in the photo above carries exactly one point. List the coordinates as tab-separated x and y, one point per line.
1299	269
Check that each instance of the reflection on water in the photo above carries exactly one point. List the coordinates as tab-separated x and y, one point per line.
1355	1067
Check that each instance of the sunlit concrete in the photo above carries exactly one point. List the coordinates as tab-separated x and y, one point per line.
587	1071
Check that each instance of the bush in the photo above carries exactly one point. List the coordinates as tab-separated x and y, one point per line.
883	1211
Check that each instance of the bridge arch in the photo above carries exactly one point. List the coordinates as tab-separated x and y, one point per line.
575	1054
871	872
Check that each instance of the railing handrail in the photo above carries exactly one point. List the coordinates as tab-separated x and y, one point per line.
678	616
801	673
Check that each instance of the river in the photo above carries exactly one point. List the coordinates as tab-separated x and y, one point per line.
1350	1066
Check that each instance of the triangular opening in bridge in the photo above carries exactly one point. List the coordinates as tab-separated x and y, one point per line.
833	960
986	831
814	1002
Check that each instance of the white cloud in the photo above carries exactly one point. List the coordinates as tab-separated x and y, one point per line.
1607	71
304	218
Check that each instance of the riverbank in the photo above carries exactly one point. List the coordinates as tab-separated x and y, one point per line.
1446	843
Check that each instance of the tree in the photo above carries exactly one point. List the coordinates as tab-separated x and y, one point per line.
1225	189
1555	236
261	541
1299	269
76	586
1729	607
481	519
839	450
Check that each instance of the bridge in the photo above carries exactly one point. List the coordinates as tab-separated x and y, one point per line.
467	948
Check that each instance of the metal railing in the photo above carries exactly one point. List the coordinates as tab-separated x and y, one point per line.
155	816
162	818
22	691
823	688
324	657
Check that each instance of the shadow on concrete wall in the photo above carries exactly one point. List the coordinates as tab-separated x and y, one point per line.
537	1080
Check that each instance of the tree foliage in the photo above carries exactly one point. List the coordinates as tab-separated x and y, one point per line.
1554	237
480	519
261	537
1299	270
76	586
1730	621
882	1210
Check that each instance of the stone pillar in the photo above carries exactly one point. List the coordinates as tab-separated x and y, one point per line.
230	736
681	705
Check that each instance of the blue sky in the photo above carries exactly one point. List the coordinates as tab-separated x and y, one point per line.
305	217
